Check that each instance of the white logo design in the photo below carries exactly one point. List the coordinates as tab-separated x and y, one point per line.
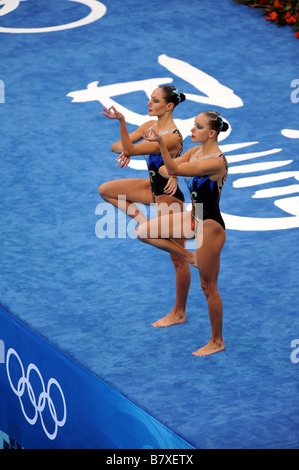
9	5
38	403
215	94
288	204
98	10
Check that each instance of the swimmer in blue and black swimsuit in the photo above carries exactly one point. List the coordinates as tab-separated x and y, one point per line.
162	103
205	178
207	192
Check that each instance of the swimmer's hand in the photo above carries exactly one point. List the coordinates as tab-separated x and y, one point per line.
123	160
171	186
151	136
112	113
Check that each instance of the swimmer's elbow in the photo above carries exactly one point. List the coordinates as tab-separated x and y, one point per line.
173	172
116	148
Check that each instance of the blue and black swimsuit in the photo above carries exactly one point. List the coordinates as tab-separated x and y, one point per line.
207	192
154	162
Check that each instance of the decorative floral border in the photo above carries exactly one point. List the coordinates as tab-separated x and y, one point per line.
279	11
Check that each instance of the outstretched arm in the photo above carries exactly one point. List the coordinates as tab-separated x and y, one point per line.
128	140
126	144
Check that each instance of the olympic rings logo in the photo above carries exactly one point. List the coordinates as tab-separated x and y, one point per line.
38	403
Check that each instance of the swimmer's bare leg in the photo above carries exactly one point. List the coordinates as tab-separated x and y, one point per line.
183	278
208	256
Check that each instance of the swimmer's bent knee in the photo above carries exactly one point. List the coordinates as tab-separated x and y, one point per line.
141	231
102	189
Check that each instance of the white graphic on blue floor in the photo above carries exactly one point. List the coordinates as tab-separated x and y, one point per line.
97	10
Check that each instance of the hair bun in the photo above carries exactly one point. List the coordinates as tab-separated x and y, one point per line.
183	97
224	127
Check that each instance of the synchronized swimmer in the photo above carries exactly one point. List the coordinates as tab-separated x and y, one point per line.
161	189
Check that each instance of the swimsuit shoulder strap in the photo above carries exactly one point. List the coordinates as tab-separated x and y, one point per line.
174	131
194	154
223	157
226	171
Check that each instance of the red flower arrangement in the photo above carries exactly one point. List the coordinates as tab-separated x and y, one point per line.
279	11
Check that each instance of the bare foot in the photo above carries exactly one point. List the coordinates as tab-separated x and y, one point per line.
193	259
190	257
172	318
212	347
